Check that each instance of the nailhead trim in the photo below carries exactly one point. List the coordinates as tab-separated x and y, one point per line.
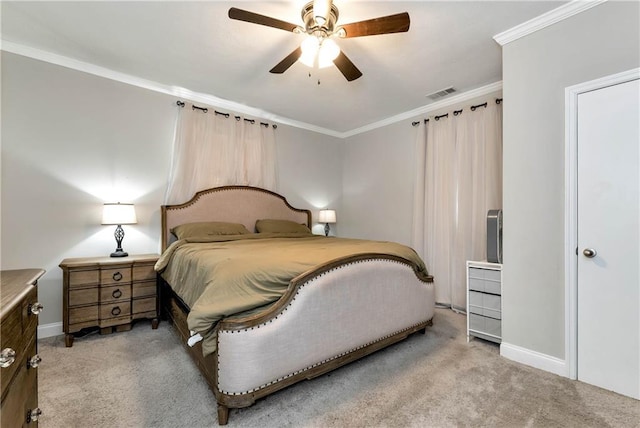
287	307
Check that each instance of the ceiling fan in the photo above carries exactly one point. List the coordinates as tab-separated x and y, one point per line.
319	47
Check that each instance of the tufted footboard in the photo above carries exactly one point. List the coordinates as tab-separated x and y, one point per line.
330	316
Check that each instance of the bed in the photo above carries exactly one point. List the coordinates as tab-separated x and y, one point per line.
328	314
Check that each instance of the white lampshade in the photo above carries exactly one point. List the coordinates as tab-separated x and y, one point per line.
119	214
309	48
329	51
327	216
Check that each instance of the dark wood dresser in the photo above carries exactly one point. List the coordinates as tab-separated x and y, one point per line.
19	343
108	292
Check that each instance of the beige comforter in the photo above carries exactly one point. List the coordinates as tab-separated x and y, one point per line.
223	276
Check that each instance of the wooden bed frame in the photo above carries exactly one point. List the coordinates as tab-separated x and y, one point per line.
329	316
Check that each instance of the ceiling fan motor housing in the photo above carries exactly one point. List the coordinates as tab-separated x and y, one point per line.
310	24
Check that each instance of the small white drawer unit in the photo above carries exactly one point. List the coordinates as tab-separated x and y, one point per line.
484	300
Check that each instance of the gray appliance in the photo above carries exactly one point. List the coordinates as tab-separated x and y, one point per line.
494	236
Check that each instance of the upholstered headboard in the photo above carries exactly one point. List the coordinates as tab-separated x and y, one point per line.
235	204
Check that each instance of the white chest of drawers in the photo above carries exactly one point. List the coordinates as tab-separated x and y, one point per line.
484	300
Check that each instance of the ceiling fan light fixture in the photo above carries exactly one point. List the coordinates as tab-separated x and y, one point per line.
320	18
329	50
310	46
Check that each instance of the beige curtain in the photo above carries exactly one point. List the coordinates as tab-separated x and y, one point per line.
213	150
458	179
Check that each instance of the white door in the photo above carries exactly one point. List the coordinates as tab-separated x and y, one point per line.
608	269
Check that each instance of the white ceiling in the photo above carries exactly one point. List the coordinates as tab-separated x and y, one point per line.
194	45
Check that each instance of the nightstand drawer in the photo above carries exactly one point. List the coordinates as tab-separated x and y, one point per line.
114	310
144	305
144	289
84	314
144	273
80	278
115	293
83	296
115	276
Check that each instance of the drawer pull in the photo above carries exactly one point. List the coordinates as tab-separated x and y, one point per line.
7	357
36	308
33	415
116	311
34	362
116	293
117	276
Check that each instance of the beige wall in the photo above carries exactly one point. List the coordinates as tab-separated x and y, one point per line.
536	70
71	141
378	176
378	184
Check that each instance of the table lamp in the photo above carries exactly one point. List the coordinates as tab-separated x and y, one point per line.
326	217
119	214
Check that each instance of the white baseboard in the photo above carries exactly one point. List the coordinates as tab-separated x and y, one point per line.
534	359
48	330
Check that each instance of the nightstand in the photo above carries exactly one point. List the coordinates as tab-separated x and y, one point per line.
108	292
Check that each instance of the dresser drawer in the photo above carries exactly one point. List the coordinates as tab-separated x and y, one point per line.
17	331
11	334
143	289
144	272
115	276
83	296
115	293
83	278
23	396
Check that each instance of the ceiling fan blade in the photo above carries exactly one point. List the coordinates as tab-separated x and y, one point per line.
346	67
283	65
398	23
254	18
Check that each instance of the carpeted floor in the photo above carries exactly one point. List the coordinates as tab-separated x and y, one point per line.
144	378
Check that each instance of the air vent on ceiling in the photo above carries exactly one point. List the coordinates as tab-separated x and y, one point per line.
441	93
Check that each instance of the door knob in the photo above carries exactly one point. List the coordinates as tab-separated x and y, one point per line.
589	252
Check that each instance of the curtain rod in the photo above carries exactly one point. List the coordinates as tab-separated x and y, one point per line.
457	112
227	115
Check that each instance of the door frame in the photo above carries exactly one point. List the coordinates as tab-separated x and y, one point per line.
571	209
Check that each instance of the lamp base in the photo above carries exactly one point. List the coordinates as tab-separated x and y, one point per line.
119	254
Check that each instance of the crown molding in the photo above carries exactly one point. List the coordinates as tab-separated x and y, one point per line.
178	92
429	108
221	103
546	19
